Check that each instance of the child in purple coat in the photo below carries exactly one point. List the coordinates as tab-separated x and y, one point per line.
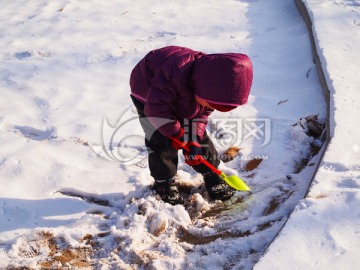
175	89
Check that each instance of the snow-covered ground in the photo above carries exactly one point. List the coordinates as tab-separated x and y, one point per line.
67	201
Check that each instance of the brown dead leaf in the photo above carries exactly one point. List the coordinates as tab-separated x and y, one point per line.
230	154
253	164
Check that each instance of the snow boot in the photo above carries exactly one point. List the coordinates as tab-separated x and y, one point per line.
217	188
168	191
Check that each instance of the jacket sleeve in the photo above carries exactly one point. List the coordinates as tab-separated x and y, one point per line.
158	104
202	121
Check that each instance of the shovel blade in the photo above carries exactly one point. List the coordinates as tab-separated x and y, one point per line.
235	182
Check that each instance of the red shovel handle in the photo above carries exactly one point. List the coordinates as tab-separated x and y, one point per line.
202	160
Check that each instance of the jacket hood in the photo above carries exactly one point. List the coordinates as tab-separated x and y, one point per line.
223	79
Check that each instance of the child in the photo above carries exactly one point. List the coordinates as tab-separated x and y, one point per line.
174	90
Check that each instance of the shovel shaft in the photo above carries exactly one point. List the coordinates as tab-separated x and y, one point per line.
211	167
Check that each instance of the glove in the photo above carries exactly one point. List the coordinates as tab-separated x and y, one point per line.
191	150
194	155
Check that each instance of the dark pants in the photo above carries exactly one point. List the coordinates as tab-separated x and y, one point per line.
163	157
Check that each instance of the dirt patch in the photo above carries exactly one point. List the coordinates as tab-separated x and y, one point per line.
221	207
55	253
185	236
75	257
319	196
276	202
314	128
302	164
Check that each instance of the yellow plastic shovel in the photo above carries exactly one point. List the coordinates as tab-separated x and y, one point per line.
232	180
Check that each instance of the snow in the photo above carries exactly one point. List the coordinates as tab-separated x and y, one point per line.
65	185
323	232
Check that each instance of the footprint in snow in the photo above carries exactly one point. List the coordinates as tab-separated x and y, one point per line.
23	55
36	134
348	183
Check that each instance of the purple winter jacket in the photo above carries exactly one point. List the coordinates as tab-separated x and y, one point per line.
167	80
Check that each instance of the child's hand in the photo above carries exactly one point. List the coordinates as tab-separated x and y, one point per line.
194	155
191	150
